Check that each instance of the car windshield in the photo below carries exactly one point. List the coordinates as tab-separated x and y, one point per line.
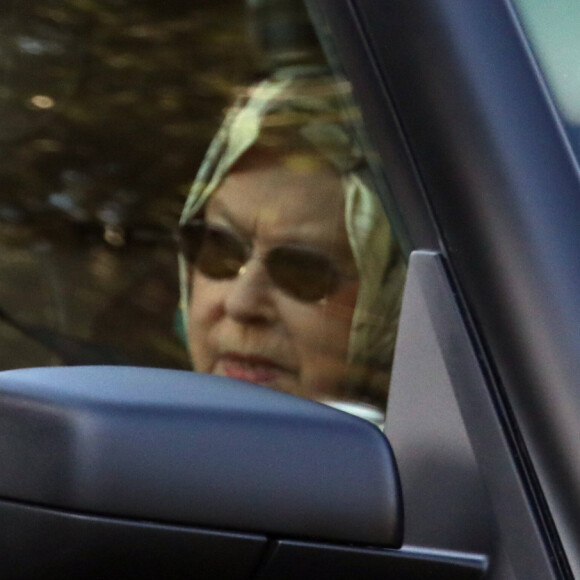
552	28
184	185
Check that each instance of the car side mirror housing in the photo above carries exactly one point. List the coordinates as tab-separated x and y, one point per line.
127	470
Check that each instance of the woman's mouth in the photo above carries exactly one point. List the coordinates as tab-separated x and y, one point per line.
254	369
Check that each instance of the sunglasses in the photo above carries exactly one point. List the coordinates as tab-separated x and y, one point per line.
217	253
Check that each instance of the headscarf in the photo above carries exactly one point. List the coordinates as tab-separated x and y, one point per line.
309	101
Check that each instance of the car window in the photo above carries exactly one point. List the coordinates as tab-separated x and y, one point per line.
184	185
552	28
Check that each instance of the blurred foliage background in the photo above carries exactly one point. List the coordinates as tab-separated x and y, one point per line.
106	109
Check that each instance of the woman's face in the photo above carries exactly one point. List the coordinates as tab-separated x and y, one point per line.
247	327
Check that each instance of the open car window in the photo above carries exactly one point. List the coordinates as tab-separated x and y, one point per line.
185	185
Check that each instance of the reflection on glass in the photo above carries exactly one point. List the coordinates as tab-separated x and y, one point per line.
42	102
105	107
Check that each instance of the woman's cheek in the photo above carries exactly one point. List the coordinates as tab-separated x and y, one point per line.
204	314
320	342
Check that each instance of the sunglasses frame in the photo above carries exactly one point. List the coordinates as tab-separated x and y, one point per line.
189	234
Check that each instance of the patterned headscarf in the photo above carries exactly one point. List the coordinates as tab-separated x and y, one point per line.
315	106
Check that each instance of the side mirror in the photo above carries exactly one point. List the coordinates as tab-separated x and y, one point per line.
175	452
119	472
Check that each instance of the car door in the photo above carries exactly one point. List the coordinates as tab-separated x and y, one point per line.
485	183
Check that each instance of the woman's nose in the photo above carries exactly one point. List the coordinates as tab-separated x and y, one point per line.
250	299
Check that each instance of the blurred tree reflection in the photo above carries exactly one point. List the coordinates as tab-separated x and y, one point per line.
106	108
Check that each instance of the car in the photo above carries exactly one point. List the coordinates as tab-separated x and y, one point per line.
471	121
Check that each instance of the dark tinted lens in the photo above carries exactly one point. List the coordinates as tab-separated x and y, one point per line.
190	238
221	254
214	251
303	274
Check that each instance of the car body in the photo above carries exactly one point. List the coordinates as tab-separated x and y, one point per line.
487	184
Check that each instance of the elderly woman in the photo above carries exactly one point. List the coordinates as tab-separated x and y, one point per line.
290	275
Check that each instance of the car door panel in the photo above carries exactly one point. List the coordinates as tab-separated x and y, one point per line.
489	155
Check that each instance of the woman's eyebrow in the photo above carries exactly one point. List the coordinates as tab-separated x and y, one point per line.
328	244
220	209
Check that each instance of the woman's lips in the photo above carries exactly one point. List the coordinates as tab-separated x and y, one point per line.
251	368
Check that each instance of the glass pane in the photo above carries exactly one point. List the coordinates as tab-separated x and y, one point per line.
106	108
286	271
552	28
